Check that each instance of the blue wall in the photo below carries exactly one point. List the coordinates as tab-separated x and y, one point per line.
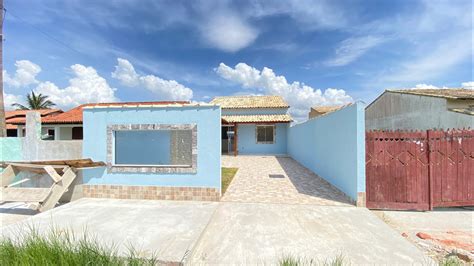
247	143
207	118
333	146
11	149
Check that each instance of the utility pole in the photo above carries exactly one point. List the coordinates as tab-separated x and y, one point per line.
3	127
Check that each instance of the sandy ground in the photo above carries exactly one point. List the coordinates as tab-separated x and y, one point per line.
438	233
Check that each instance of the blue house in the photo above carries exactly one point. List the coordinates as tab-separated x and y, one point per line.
254	125
153	150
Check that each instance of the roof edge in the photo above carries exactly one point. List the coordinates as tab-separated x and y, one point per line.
149	106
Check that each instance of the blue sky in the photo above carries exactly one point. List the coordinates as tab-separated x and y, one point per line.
310	52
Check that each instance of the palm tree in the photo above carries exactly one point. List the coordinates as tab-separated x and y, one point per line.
35	102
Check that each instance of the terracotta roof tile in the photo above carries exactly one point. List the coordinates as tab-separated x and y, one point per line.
74	116
43	112
11	126
453	93
283	118
234	102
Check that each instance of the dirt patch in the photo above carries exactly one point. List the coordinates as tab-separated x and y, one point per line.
436	243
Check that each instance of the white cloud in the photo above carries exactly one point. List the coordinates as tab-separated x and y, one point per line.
87	86
163	89
9	99
228	32
426	86
323	14
25	74
125	72
300	96
464	85
452	51
351	49
468	85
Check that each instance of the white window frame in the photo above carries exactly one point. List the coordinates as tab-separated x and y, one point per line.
265	125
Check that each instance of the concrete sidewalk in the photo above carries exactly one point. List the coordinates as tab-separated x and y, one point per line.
167	228
230	232
256	233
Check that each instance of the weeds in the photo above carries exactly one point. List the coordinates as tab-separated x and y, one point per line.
62	248
451	261
297	261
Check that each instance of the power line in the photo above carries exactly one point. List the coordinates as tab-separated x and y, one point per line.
43	32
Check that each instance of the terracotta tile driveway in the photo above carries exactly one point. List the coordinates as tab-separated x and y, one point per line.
271	179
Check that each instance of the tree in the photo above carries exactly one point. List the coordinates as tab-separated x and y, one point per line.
35	102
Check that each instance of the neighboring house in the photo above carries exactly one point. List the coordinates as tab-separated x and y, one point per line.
63	126
253	124
160	150
13	118
322	110
421	109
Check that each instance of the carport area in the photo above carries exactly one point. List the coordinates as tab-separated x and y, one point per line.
274	179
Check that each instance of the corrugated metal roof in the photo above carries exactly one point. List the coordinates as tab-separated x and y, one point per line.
234	102
283	118
453	93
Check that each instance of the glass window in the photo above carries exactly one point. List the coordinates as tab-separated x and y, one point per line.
153	147
265	133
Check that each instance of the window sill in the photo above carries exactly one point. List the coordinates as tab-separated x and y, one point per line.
154	165
152	169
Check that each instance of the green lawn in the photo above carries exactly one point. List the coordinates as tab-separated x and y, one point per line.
227	176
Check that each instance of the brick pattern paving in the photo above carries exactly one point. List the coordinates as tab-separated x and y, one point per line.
150	192
270	179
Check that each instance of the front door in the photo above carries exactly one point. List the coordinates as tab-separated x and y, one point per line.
228	139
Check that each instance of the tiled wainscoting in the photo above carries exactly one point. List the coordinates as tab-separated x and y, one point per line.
151	192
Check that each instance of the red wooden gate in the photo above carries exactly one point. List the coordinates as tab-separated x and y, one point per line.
419	170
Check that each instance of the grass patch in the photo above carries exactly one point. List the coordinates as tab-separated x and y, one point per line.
227	176
63	249
452	261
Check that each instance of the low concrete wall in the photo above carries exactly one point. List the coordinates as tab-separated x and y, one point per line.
333	146
32	148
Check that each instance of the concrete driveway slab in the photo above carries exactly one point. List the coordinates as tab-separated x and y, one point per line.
252	233
13	212
167	228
